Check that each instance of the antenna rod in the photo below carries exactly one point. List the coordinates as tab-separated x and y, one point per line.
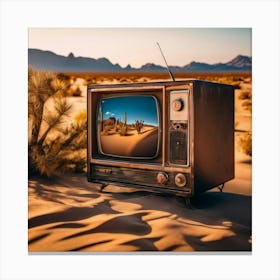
170	73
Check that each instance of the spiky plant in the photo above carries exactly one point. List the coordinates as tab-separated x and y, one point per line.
52	143
123	126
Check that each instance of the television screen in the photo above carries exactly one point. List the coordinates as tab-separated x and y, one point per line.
128	126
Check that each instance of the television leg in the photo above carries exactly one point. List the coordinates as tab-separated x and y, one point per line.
188	203
103	186
221	187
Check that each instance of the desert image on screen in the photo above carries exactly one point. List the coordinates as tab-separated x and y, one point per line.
128	126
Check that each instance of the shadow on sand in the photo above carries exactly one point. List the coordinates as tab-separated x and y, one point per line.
135	220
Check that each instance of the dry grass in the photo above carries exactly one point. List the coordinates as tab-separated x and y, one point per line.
233	78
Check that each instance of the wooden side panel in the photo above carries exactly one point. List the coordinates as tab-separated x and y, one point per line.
213	134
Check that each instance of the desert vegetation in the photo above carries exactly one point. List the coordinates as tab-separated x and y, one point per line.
56	143
139	125
111	126
245	143
246	96
233	78
123	126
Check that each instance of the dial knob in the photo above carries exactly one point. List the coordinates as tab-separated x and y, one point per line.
177	105
162	178
180	180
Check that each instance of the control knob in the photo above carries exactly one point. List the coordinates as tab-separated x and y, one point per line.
162	178
177	105
180	180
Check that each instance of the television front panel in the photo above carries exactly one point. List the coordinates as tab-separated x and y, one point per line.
173	137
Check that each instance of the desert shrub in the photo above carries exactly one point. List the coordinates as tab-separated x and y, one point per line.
89	80
245	143
99	80
247	104
73	91
239	79
63	77
139	125
245	95
236	85
54	145
77	92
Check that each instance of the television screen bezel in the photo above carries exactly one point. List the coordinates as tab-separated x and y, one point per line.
95	93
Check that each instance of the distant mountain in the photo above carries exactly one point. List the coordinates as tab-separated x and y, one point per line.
46	60
241	61
151	67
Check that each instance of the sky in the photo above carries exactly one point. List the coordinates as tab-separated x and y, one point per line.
137	46
136	108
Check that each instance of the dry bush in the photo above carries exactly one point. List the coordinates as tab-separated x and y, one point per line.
225	77
53	146
138	126
237	79
247	97
245	143
63	76
246	94
75	92
247	104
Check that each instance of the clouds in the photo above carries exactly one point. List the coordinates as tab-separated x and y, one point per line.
108	113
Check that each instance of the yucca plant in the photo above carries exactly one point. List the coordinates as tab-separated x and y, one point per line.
54	145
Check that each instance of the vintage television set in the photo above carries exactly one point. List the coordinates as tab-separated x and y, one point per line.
171	136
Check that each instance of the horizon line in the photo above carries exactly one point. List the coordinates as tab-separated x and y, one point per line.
128	64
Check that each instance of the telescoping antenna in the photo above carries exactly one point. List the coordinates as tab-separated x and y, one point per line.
170	73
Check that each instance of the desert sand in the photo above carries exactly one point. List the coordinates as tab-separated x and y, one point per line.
67	213
131	145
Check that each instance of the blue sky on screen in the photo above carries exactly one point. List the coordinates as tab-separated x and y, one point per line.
136	108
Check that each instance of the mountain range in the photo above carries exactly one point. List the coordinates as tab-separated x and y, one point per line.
47	60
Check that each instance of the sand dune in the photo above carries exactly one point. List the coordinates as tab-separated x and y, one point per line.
132	145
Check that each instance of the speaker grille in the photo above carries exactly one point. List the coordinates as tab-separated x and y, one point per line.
178	147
